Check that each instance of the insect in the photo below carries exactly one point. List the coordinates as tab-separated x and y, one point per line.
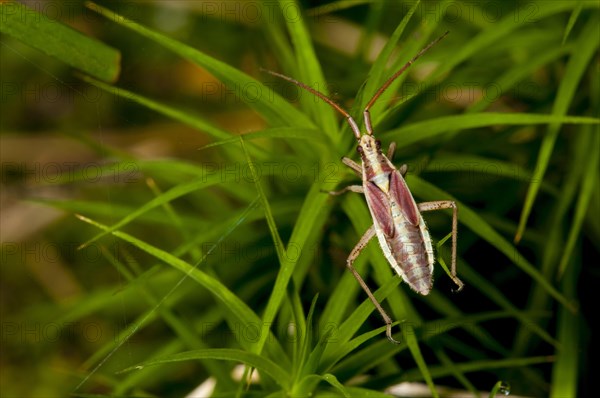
397	220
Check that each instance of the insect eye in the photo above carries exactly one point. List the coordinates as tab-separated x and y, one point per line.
378	144
359	149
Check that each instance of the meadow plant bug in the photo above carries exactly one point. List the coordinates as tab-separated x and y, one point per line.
397	220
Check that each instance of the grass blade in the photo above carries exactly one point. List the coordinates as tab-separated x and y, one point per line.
477	366
309	68
185	117
565	374
237	307
589	182
256	361
159	200
423	130
481	228
586	46
271	106
59	41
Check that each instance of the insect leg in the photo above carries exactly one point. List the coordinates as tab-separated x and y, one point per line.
403	170
353	255
351	188
353	165
390	155
391	150
440	205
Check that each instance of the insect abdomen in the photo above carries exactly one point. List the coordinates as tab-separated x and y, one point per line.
412	251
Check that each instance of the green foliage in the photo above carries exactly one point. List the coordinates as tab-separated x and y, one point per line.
207	254
59	41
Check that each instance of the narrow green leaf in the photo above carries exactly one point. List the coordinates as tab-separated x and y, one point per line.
191	272
415	350
488	37
331	379
59	41
306	340
266	207
343	296
554	239
572	19
482	229
368	31
429	23
276	110
308	67
357	391
376	353
499	30
297	133
309	222
256	361
334	6
300	328
585	49
230	301
314	359
589	181
565	373
454	162
517	73
496	295
342	351
419	131
188	118
353	322
277	37
183	329
166	197
458	374
478	366
376	74
131	381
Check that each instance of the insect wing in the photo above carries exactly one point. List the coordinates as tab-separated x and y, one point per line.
400	192
380	208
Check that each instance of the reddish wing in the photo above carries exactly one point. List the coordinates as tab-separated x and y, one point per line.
380	207
400	192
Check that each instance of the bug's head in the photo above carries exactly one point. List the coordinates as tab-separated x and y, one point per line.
368	146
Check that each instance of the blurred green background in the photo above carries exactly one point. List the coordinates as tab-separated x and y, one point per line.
220	249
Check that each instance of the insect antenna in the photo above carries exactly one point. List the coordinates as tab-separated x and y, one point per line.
366	113
325	98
